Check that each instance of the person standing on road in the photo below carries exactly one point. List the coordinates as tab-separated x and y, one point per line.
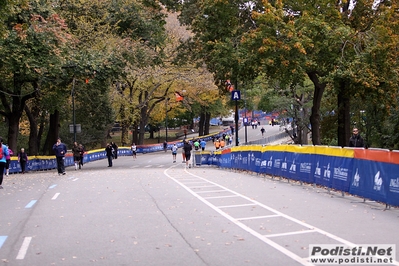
8	160
3	154
82	153
174	152
60	150
76	155
187	153
165	145
22	159
356	140
110	154
114	150
134	150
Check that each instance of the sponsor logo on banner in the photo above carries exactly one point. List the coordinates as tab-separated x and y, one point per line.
284	165
394	185
270	162
277	163
263	163
245	160
327	172
377	181
341	173
293	167
258	162
356	179
317	171
305	168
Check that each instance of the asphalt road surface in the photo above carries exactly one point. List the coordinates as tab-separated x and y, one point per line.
151	211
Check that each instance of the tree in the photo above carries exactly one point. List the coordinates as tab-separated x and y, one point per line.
31	53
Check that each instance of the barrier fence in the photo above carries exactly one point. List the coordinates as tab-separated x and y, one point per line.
369	173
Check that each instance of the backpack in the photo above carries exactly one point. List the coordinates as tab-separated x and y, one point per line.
1	152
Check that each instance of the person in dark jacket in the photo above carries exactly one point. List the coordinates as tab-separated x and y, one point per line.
187	152
22	159
114	150
60	150
356	140
109	152
76	155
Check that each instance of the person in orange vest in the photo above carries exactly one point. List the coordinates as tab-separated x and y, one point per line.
222	143
217	144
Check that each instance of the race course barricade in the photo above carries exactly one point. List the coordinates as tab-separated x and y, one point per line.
369	173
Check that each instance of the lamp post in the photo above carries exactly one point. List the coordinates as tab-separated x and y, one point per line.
166	119
73	110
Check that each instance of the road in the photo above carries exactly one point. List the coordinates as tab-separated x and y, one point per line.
151	211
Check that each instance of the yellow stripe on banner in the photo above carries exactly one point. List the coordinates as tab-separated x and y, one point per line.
308	149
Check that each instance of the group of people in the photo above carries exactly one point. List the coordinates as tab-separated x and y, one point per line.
60	150
5	159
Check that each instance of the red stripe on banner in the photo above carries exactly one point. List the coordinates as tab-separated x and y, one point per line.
384	156
225	151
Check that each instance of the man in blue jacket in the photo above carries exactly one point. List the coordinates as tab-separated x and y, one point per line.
60	150
3	154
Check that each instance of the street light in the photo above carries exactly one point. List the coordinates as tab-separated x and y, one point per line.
73	110
166	119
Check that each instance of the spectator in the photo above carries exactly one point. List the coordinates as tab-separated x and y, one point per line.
356	140
110	154
22	159
203	144
114	150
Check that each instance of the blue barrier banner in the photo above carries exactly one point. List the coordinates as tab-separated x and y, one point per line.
370	180
245	159
393	182
322	170
255	162
290	166
225	160
266	163
341	173
305	164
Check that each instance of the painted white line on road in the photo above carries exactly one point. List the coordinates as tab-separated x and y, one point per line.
55	196
235	206
30	204
147	166
239	224
291	233
221	197
208	191
2	240
52	186
202	186
258	217
75	179
24	248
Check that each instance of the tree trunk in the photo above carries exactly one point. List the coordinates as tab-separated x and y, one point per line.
315	115
201	124
13	130
53	133
207	123
343	115
33	129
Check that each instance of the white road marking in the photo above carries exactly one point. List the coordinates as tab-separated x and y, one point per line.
258	217
55	196
291	233
221	197
235	206
24	248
